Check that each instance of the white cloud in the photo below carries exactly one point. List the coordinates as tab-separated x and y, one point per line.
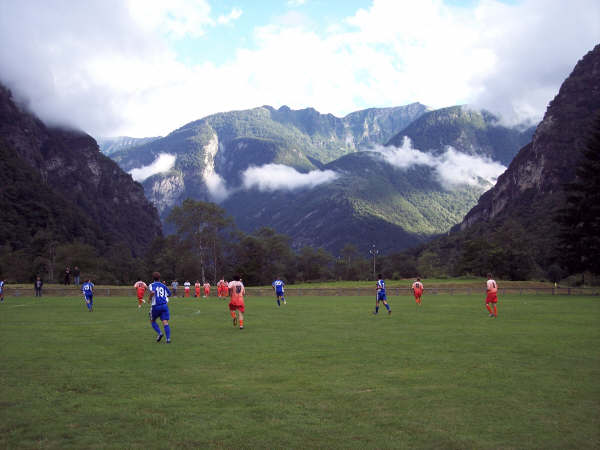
295	3
273	177
235	14
176	18
110	67
451	167
163	163
216	187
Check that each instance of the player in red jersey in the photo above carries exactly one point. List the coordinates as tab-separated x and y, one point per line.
197	288
418	289
206	289
220	286
140	288
186	288
492	296
236	302
225	288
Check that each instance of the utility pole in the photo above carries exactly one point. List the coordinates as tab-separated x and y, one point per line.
374	252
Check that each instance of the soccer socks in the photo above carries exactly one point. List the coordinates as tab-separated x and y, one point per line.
156	327
376	309
241	323
232	314
495	311
89	305
168	332
387	306
489	308
278	302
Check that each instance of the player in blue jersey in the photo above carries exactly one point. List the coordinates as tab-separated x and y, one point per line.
88	294
278	285
381	295
1	290
158	297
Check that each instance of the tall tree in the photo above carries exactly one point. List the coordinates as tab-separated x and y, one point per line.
202	225
580	219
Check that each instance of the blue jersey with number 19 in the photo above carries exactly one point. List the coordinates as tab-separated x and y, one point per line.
161	293
88	289
278	285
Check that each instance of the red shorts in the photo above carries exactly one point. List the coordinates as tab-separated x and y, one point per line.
418	293
236	307
140	293
492	297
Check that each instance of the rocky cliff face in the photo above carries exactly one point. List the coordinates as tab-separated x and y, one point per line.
70	166
541	168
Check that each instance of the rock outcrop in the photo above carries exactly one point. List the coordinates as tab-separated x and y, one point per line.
536	176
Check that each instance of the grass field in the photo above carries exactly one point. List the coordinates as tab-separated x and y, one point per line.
317	373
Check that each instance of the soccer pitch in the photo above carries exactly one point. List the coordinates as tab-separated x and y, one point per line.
319	372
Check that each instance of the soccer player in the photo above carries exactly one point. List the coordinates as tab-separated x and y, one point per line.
236	302
88	294
140	288
221	288
186	288
492	296
197	288
159	299
1	290
278	285
381	296
225	288
418	289
206	289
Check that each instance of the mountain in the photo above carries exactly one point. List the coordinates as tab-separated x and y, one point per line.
468	131
367	198
513	229
227	143
110	145
537	174
371	202
57	181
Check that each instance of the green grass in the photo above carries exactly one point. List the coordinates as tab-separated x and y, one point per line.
317	373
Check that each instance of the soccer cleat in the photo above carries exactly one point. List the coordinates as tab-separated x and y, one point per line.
159	337
168	341
234	321
390	312
241	328
284	302
374	313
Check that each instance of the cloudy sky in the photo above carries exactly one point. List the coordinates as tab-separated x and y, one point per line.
145	67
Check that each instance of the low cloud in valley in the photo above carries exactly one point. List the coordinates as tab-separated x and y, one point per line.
452	168
163	163
273	177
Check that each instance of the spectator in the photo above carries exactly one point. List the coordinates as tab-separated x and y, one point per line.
37	285
76	279
67	276
174	285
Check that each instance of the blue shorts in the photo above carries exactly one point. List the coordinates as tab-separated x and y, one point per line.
89	298
279	293
160	311
381	296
